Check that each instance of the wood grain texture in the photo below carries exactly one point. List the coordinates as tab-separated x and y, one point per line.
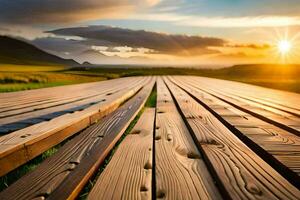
16	101
14	119
180	170
72	185
65	173
39	97
129	173
37	138
279	117
284	100
241	172
279	147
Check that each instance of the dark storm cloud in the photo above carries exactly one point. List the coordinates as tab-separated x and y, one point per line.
56	11
163	43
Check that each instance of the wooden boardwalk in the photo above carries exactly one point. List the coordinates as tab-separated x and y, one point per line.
204	139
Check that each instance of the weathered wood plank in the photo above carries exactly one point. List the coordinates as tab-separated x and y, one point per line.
37	138
64	174
180	170
278	99
15	112
27	114
278	117
242	173
59	95
267	140
22	99
72	185
28	98
44	111
129	173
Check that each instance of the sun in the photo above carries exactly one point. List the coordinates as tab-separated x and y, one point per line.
284	46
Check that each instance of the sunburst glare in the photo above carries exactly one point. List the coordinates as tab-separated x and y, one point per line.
284	46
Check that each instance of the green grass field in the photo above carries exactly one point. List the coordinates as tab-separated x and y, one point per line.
25	77
16	77
282	77
30	68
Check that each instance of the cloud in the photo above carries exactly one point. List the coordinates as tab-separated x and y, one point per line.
160	42
113	43
221	21
96	57
3	29
112	49
256	21
65	11
241	57
60	45
249	46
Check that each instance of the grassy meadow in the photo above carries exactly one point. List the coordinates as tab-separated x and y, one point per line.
25	77
282	77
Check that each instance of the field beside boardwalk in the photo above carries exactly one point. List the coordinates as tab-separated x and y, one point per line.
24	77
282	77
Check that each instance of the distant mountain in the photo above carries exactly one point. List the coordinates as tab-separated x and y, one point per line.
13	51
94	57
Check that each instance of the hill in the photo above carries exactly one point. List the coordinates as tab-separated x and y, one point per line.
258	71
284	77
263	71
13	51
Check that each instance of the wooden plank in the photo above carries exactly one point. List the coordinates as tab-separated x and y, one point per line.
46	109
271	115
14	119
40	137
15	112
72	185
269	104
276	98
129	173
59	95
179	167
267	140
29	98
44	96
63	175
242	173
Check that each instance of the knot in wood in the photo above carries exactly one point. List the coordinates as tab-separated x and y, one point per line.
193	155
158	137
253	189
136	132
24	136
160	194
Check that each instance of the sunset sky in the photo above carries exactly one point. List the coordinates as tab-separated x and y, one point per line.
177	32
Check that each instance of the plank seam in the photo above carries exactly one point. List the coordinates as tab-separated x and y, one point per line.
153	160
288	174
261	117
210	168
73	192
107	109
